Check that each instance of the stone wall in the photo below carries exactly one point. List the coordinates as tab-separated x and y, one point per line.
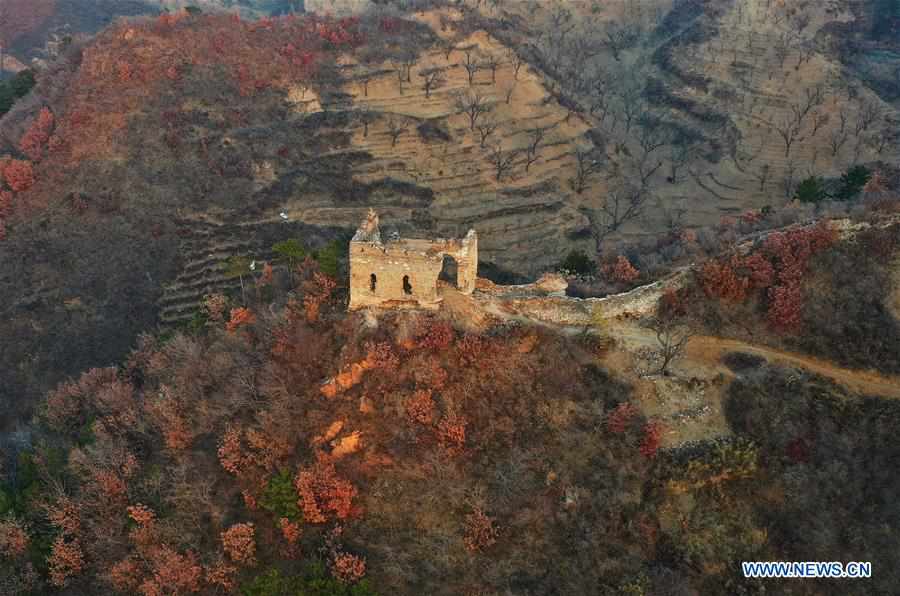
406	271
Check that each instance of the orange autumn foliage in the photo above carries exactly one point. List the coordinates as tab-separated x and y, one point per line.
18	174
13	538
451	431
420	407
480	531
35	138
239	543
66	560
621	271
239	317
323	493
347	568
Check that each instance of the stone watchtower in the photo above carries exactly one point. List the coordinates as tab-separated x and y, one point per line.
407	272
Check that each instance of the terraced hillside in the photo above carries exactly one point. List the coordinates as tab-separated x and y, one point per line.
526	220
745	99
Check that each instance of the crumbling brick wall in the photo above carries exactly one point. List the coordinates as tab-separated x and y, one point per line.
403	273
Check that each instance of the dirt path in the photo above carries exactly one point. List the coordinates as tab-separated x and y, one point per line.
710	350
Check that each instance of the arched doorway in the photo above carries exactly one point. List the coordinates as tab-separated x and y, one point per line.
372	281
407	287
450	271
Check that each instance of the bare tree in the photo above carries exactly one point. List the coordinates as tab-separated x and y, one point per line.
819	119
788	182
535	138
589	162
508	92
516	61
622	205
632	103
782	48
789	131
473	105
485	129
869	113
836	141
432	78
396	127
471	63
681	153
491	63
364	78
762	175
618	38
367	118
672	336
503	160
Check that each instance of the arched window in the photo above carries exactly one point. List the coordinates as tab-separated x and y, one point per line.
407	288
450	271
372	280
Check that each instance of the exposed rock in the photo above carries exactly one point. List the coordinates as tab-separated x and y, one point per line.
346	445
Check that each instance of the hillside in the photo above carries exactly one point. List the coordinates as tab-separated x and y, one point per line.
298	448
717	107
167	155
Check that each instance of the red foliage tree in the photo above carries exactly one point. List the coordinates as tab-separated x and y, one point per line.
347	568
420	407
480	531
18	173
13	538
239	543
621	271
33	141
66	560
651	439
618	420
719	280
322	492
239	317
451	432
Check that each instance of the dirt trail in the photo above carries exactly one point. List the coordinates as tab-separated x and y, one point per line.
710	350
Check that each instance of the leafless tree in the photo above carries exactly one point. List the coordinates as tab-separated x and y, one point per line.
789	182
535	138
762	175
472	104
819	119
782	48
622	205
672	336
503	160
680	155
367	118
632	102
617	38
485	129
508	92
589	161
836	141
395	127
516	61
491	63
789	131
471	63
869	113
448	47
432	78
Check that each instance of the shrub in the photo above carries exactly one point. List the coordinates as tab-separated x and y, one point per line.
280	497
578	262
852	183
811	190
313	582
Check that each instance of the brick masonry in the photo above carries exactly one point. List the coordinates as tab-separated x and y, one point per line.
404	272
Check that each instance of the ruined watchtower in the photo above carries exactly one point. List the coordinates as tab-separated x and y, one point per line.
408	272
